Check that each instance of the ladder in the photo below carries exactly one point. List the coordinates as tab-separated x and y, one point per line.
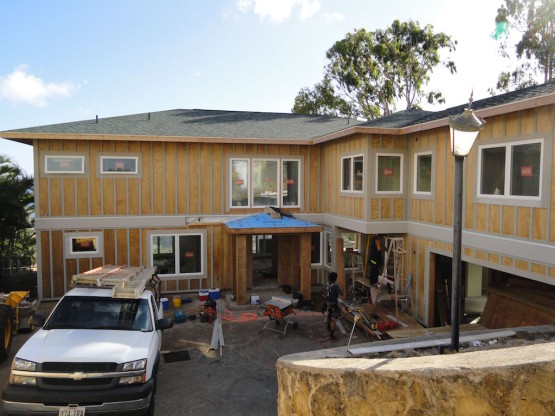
393	272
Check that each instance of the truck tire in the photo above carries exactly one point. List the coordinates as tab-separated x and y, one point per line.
150	411
6	331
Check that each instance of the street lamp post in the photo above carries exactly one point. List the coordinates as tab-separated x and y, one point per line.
465	128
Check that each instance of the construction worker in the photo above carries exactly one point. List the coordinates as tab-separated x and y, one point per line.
374	260
332	295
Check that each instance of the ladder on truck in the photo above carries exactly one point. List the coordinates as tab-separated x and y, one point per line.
393	273
126	282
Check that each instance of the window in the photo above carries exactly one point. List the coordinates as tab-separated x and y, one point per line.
352	168
119	165
316	249
511	170
239	183
82	245
265	182
423	173
389	173
329	248
180	254
64	164
290	183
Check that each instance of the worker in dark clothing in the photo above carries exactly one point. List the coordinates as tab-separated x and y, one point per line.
332	296
374	260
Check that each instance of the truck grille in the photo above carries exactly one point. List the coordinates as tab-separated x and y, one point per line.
71	367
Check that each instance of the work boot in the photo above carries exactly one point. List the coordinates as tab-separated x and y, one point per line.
332	337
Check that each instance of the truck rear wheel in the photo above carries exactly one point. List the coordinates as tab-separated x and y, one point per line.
6	331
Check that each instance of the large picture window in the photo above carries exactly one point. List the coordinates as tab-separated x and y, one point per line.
511	170
265	182
178	254
352	174
423	173
389	173
64	164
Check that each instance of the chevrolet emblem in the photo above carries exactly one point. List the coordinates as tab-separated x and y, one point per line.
78	376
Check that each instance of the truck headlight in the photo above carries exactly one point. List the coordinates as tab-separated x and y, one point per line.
23	365
134	366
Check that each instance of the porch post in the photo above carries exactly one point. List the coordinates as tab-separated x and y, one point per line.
340	264
306	280
241	268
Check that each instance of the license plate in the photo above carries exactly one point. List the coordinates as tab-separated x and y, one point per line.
72	411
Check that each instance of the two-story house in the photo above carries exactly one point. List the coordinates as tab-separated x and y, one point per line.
186	190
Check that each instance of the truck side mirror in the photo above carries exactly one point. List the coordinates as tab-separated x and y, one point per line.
164	323
36	320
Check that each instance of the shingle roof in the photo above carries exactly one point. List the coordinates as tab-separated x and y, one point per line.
413	117
205	123
258	125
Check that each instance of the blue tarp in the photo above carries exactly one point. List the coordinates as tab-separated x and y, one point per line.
263	220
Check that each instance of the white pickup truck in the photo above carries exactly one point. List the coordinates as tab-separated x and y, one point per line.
97	354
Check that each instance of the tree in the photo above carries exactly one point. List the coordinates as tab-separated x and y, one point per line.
535	20
368	72
16	207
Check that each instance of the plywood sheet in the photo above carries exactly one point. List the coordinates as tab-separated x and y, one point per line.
58	263
170	175
146	178
158	178
206	173
193	175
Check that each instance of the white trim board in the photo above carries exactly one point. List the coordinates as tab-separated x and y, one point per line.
429	343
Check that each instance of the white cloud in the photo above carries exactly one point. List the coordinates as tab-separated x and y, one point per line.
335	16
21	86
278	10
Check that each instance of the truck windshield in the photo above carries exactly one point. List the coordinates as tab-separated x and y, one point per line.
88	312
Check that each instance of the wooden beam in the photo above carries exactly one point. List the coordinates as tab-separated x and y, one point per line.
340	265
305	246
241	269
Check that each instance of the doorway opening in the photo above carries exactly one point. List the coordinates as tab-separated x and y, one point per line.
264	270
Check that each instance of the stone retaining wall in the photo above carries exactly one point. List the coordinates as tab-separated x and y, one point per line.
508	381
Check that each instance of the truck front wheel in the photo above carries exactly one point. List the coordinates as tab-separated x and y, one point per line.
6	331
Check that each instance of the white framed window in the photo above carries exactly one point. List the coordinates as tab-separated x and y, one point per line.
316	249
262	182
119	165
352	173
423	166
265	184
240	189
389	173
512	170
328	249
64	164
83	245
179	254
290	183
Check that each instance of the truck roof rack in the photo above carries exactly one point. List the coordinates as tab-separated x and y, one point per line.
126	282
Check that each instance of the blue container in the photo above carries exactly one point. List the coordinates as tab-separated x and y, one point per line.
165	305
214	294
179	317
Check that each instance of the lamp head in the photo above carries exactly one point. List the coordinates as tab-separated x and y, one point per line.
465	128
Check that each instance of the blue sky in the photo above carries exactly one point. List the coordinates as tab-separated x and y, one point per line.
72	60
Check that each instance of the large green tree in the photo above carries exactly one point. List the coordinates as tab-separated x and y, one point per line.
16	207
534	20
369	72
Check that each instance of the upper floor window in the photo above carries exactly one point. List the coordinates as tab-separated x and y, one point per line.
54	164
265	182
352	173
389	173
119	165
511	170
423	173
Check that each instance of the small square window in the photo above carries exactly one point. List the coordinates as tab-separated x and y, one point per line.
79	245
